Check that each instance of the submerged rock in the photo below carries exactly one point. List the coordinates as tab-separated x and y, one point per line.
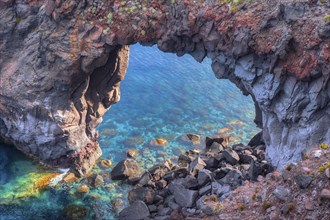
74	212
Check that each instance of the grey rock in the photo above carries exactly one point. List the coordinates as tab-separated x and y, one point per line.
190	182
138	210
196	165
183	197
205	190
164	211
234	178
97	181
144	194
304	180
247	159
204	177
152	208
230	156
255	170
282	193
202	205
220	189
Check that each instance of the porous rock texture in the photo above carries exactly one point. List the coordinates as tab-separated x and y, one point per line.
61	63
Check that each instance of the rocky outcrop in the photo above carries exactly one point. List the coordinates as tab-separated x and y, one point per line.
61	63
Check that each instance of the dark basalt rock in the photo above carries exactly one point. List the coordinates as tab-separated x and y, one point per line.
137	210
304	180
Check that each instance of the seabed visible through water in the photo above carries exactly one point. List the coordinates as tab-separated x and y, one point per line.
162	96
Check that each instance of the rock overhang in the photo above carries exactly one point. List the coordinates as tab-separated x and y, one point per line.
72	56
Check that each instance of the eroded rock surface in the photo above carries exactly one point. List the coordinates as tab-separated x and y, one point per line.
61	63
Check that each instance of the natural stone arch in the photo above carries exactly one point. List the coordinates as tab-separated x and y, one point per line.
62	62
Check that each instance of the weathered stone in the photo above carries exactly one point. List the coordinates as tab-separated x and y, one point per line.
230	156
106	163
184	197
194	138
325	194
83	189
184	160
132	153
215	148
164	211
282	193
202	205
255	170
196	165
97	180
247	159
234	178
190	182
304	180
204	177
71	177
219	189
137	210
125	169
142	193
205	190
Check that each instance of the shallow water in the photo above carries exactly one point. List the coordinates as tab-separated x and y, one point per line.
162	96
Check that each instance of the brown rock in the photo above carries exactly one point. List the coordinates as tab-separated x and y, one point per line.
325	194
106	163
83	189
132	153
71	177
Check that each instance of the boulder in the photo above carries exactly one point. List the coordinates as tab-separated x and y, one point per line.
125	169
196	165
97	180
204	177
257	140
132	153
220	189
192	138
183	197
230	156
234	178
105	163
205	190
304	180
144	194
138	210
282	193
247	159
190	182
206	208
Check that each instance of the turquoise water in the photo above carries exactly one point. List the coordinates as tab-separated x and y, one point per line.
162	96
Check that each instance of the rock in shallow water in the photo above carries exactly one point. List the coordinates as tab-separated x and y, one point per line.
125	169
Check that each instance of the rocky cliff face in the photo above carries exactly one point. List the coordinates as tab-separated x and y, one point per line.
61	63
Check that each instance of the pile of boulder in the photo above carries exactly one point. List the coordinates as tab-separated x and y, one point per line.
179	190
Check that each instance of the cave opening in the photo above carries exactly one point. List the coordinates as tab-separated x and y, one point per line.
166	96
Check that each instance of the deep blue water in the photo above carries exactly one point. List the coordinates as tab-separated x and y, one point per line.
162	96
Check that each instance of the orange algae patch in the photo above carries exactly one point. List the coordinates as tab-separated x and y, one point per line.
44	181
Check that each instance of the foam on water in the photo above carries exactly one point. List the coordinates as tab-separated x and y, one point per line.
162	96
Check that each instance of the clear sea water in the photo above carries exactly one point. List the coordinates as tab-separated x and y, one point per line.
162	96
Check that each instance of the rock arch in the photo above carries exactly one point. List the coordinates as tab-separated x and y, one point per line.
61	64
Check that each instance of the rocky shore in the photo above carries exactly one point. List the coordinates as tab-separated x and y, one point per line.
193	186
61	64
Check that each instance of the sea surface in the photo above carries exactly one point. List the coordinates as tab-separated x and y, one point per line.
162	96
